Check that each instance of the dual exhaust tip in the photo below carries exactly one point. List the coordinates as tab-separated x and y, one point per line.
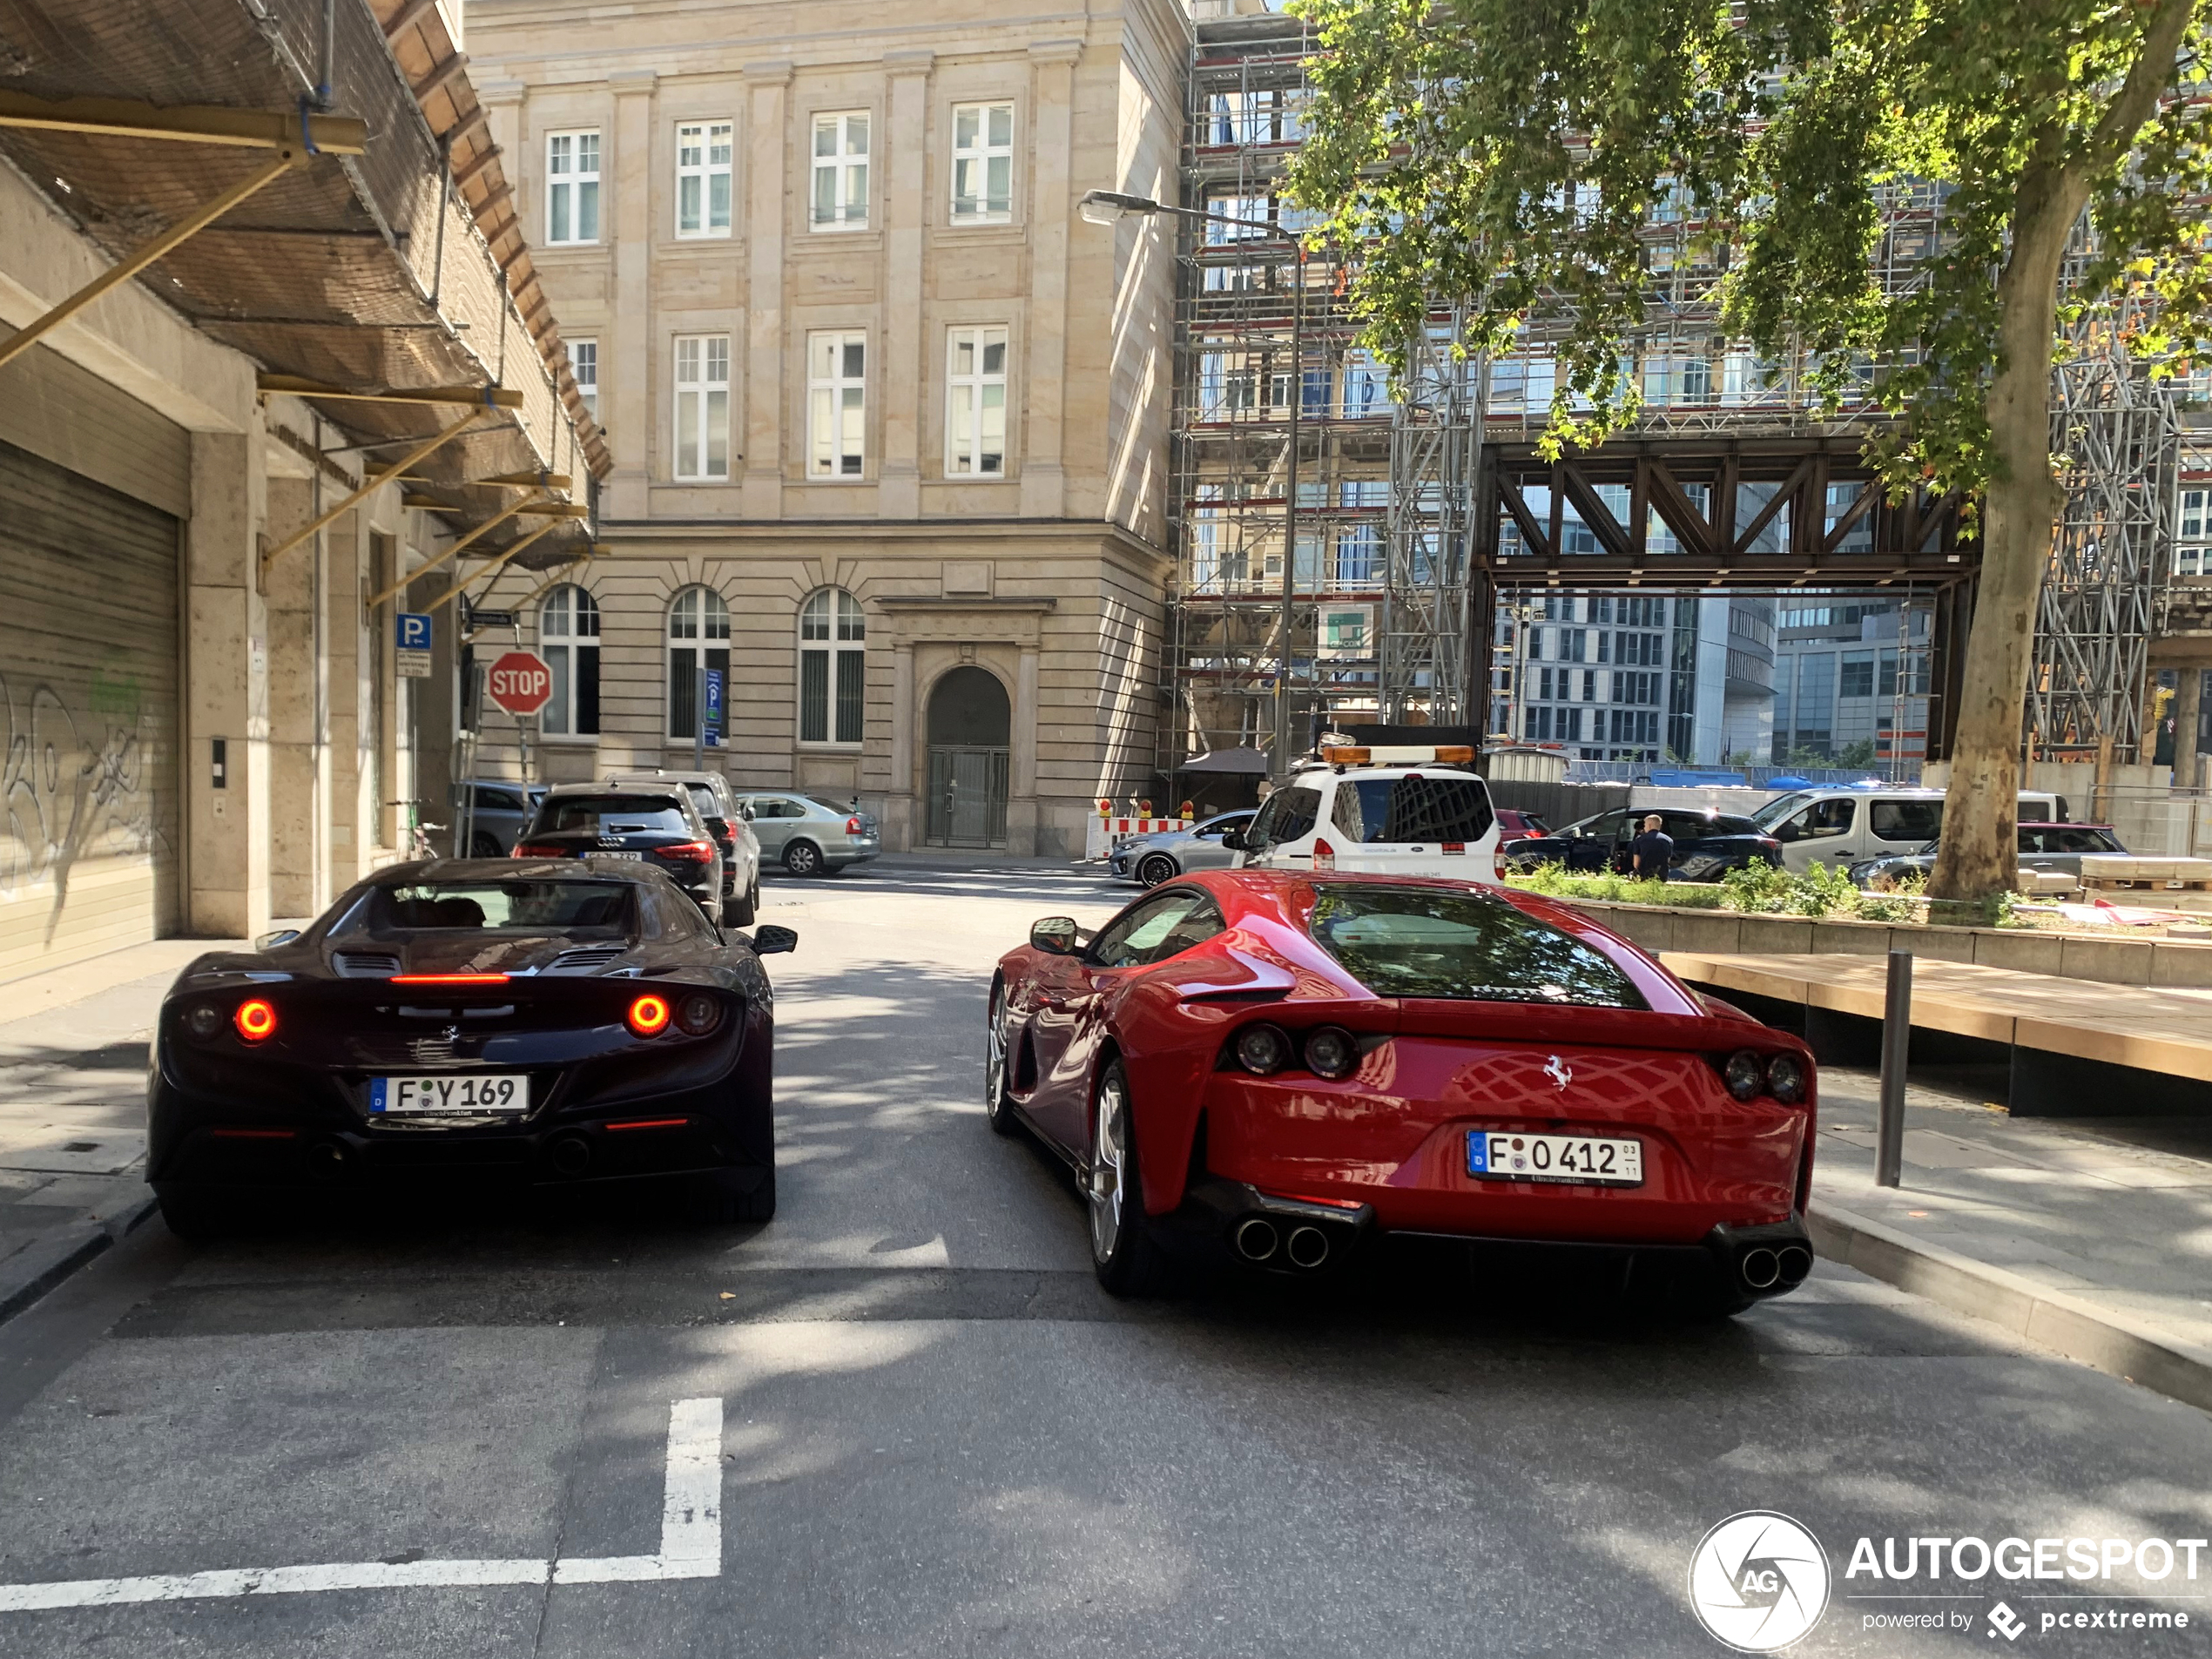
1762	1268
1260	1241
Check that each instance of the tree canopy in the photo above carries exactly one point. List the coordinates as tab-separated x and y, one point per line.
1513	158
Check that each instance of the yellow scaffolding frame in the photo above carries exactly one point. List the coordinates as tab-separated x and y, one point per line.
296	138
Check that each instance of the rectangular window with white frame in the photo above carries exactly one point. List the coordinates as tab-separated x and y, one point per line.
975	403
702	406
571	188
837	405
841	182
703	178
583	365
983	163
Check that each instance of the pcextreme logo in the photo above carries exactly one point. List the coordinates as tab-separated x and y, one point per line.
1758	1581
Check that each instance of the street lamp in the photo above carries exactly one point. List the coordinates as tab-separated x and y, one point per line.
1105	207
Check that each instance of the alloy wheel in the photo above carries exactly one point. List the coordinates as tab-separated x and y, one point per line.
994	1057
1154	869
1108	1147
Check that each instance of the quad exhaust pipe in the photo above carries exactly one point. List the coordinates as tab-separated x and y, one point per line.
1256	1239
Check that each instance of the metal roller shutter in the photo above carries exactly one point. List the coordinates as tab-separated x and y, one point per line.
90	844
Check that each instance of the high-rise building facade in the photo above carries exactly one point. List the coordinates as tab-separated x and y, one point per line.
887	417
1851	680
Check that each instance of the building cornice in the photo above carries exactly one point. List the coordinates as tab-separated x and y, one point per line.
978	602
842	529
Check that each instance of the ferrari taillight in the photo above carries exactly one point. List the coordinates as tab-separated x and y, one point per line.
649	1015
256	1020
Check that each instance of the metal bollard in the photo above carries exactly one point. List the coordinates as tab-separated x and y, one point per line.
1896	1040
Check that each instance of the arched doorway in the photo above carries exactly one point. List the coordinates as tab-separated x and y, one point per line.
969	723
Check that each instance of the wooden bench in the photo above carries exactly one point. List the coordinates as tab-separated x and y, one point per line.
2075	1048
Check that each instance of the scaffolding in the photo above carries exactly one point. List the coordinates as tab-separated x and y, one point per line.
1272	385
2117	437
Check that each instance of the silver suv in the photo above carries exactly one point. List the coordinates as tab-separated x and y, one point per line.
811	835
725	822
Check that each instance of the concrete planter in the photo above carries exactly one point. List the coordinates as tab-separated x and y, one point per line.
2086	956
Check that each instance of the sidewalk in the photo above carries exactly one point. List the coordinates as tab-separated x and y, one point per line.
2091	1237
72	1110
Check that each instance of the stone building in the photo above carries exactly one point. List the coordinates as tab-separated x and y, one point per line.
886	414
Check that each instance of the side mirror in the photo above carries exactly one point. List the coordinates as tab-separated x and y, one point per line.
281	936
1233	839
745	812
773	941
718	828
1055	935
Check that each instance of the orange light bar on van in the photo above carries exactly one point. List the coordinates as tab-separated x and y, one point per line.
1343	757
449	979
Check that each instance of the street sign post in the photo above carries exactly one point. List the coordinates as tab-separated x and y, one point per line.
520	682
713	706
412	638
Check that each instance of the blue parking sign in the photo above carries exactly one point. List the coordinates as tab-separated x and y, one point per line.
413	631
711	723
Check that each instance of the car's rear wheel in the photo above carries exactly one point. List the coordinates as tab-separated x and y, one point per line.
484	845
803	858
1122	1249
998	1103
746	906
195	1216
733	1195
1154	868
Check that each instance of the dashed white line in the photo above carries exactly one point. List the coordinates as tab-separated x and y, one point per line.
691	1547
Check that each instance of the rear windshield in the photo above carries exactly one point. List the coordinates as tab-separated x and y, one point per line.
1411	809
540	906
610	815
1434	942
843	809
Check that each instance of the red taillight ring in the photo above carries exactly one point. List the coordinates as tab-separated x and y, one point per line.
256	1020
649	1015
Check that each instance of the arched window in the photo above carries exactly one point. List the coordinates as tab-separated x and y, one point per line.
698	636
833	667
567	638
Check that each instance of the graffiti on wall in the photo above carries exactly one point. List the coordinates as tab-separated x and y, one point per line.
74	789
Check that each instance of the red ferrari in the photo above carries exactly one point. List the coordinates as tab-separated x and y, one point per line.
1275	1064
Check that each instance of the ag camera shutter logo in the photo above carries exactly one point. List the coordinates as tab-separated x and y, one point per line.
1758	1581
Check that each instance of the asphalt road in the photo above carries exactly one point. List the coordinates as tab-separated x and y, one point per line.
940	1437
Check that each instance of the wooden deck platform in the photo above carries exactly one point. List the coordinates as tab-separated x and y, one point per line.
2064	1038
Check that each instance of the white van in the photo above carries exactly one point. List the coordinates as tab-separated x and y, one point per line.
1838	828
1393	811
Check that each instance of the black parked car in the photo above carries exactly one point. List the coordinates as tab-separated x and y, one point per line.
477	1021
630	824
1706	844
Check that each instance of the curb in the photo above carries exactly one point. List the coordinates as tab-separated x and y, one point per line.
31	1274
2070	1326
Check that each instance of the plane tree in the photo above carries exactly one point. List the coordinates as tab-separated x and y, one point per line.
1509	157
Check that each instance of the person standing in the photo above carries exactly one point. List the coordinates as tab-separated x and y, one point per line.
1652	854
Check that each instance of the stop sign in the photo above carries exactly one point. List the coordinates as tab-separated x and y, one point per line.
520	682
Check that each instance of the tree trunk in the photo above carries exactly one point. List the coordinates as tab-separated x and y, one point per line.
1979	854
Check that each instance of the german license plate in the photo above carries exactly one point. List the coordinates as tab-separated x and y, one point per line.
492	1093
1561	1160
596	854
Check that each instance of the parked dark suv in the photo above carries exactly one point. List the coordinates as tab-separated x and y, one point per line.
660	826
1706	844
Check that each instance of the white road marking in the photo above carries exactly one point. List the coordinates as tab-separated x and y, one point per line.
691	1547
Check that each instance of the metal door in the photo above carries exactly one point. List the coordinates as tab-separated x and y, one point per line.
967	789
